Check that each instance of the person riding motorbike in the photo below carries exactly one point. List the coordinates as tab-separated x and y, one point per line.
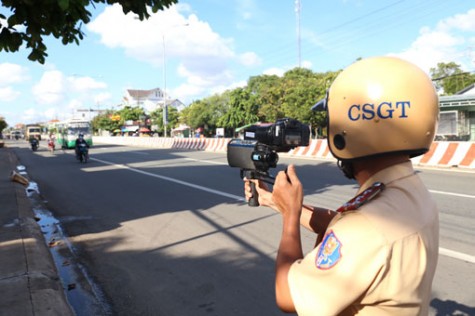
79	141
34	143
51	141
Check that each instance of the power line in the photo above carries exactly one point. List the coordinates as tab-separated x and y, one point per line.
388	17
332	29
454	75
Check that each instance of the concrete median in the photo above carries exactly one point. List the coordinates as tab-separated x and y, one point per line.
441	154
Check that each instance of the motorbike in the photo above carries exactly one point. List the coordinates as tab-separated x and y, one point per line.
83	153
51	145
34	144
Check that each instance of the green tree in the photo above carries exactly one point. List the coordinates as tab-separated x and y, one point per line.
265	98
188	114
268	96
3	124
318	120
30	21
104	122
130	113
450	78
242	109
301	91
205	113
157	119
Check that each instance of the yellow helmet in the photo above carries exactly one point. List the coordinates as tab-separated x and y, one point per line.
381	105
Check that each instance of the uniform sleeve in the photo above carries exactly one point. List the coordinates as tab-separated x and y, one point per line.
344	265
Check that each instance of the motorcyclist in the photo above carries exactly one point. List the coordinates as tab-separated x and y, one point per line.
80	140
34	142
51	142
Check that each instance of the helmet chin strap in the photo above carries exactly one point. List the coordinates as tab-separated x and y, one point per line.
347	168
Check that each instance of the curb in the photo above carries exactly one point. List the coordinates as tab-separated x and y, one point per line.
46	293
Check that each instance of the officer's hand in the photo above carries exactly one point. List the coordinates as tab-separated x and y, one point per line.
288	192
265	196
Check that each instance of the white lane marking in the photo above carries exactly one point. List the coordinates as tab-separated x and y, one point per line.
457	255
442	251
207	161
188	184
454	194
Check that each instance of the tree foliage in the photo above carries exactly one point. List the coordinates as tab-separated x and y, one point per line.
265	98
205	113
157	119
449	78
131	113
242	109
3	124
30	21
103	121
106	122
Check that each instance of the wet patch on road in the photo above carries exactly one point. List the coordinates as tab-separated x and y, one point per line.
83	295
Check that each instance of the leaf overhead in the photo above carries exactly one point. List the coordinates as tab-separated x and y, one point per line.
29	22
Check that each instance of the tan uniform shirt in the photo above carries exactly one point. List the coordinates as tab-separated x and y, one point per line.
377	260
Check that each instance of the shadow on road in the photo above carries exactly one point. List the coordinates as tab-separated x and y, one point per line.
449	307
191	254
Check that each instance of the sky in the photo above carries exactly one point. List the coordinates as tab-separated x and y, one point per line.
198	48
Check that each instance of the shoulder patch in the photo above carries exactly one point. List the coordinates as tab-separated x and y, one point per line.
329	253
362	198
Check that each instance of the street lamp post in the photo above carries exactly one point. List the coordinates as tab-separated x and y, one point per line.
165	106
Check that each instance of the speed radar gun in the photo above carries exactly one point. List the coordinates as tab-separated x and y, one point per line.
257	152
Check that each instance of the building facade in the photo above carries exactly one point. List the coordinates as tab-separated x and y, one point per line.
150	100
147	99
457	116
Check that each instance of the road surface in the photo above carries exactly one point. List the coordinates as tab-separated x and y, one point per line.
167	232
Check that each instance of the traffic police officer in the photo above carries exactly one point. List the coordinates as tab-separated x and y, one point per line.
376	254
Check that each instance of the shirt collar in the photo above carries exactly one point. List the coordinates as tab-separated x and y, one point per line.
389	174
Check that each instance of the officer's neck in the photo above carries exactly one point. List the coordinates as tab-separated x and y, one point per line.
366	168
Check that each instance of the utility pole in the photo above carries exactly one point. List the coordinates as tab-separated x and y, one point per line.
165	106
297	12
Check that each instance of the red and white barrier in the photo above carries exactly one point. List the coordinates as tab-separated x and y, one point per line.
217	144
441	154
318	148
449	154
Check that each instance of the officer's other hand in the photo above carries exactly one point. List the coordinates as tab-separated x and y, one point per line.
265	196
288	192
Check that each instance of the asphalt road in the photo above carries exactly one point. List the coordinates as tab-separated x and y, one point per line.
166	232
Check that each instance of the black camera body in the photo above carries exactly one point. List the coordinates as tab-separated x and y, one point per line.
251	155
257	152
282	136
